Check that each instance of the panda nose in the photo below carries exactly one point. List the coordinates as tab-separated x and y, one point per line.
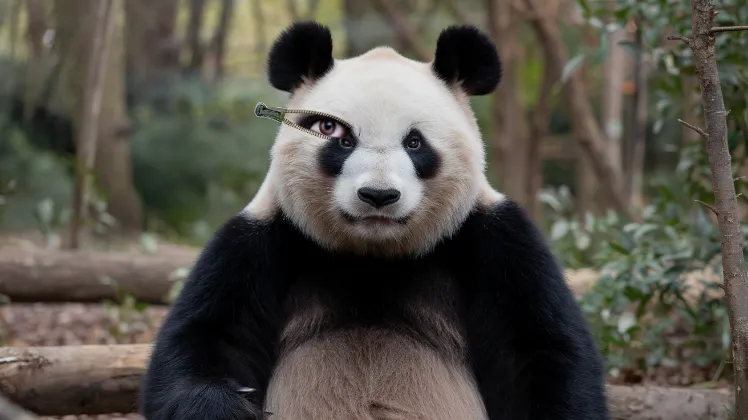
378	198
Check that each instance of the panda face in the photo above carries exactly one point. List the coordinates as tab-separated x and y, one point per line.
402	176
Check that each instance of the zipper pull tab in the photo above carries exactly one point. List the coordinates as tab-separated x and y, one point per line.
264	111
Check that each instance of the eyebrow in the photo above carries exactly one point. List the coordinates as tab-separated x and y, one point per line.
278	114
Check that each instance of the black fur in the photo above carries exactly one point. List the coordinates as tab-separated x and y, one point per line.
528	344
425	159
302	51
332	156
466	56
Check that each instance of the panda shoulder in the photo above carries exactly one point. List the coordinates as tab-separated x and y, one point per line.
496	217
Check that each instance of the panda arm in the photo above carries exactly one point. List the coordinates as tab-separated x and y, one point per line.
220	333
532	352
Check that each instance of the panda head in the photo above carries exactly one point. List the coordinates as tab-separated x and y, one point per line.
410	168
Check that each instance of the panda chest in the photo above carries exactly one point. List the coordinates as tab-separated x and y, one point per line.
423	306
374	356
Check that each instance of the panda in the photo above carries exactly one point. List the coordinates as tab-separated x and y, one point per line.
376	274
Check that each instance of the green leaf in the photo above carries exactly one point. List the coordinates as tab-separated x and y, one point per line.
619	248
572	66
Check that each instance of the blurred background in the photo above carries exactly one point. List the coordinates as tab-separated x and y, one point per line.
583	132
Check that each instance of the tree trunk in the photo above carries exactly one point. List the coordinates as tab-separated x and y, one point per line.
635	176
613	96
194	28
93	93
591	138
36	26
15	11
35	67
88	276
538	132
73	380
76	21
586	184
221	35
702	45
105	379
510	128
152	53
259	23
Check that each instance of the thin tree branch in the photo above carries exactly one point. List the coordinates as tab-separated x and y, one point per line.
709	206
716	29
694	128
726	207
685	39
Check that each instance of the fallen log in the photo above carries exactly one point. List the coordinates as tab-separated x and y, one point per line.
88	276
105	379
59	380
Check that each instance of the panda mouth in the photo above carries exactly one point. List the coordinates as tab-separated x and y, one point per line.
375	219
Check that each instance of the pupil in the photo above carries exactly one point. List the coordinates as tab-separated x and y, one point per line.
328	125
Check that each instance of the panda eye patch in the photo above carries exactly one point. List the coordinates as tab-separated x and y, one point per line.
316	123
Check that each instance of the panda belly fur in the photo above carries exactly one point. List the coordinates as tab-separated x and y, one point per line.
371	374
369	339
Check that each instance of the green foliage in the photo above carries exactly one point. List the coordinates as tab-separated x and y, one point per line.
658	300
35	183
202	157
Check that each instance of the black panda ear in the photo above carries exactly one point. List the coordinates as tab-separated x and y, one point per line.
303	51
469	58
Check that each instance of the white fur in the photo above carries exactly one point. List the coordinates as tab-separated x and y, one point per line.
382	95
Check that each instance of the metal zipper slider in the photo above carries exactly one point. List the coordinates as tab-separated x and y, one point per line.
264	111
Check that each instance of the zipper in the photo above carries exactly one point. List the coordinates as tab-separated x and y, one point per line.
278	114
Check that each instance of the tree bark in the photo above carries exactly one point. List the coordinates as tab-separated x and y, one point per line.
635	176
89	121
657	403
83	276
538	132
76	21
612	94
194	28
105	379
591	138
259	23
73	379
702	44
152	53
510	128
221	35
36	26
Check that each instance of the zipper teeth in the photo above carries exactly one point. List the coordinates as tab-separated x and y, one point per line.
306	130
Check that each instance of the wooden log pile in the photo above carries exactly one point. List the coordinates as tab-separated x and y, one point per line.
102	379
105	379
